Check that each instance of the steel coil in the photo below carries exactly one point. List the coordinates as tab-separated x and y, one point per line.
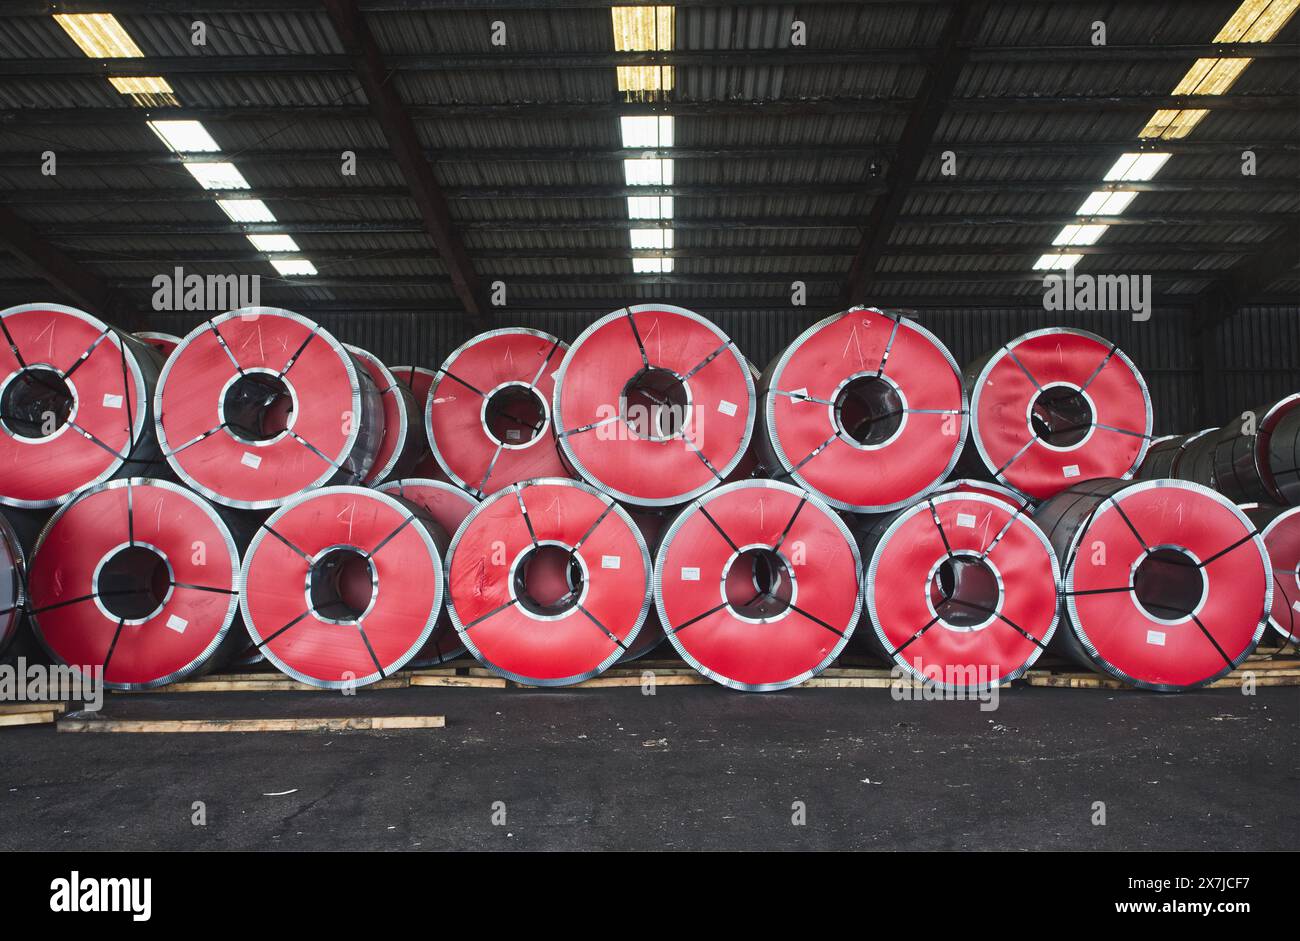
403	438
654	405
1057	406
447	505
1164	455
1166	583
344	586
1242	469
1280	529
488	415
549	582
961	590
864	409
758	585
986	488
164	343
261	405
13	591
1195	461
1284	457
75	405
137	578
420	380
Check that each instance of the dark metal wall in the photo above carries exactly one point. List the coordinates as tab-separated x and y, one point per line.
1252	359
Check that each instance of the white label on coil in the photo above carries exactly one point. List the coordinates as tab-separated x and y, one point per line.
512	434
1070	470
966	519
1156	637
178	624
727	408
690	575
610	562
251	460
112	401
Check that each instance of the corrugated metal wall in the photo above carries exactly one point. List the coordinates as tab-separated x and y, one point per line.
1254	358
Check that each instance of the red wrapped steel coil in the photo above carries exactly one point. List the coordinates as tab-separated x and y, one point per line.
864	409
164	343
137	577
76	402
1057	406
420	380
549	582
488	414
448	506
961	590
344	585
1166	583
403	438
259	405
757	584
985	487
1280	529
654	405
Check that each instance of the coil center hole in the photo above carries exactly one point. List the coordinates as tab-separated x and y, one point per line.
36	403
341	586
1168	584
1061	416
654	404
964	591
515	414
257	406
758	585
868	410
133	583
548	580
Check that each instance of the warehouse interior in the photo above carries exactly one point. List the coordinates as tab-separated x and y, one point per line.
409	174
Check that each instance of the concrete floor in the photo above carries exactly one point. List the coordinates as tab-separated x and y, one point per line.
689	768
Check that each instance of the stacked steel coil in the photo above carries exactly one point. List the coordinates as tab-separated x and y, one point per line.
549	582
447	506
75	405
137	581
864	409
758	585
488	411
1054	407
234	425
401	442
1279	527
13	590
343	586
654	405
1166	583
961	590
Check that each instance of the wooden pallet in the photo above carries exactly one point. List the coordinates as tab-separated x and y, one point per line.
342	724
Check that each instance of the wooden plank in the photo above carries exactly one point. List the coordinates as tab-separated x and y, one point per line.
28	718
269	684
19	708
481	682
346	724
604	682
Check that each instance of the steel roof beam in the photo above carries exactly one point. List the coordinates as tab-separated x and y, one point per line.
390	112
